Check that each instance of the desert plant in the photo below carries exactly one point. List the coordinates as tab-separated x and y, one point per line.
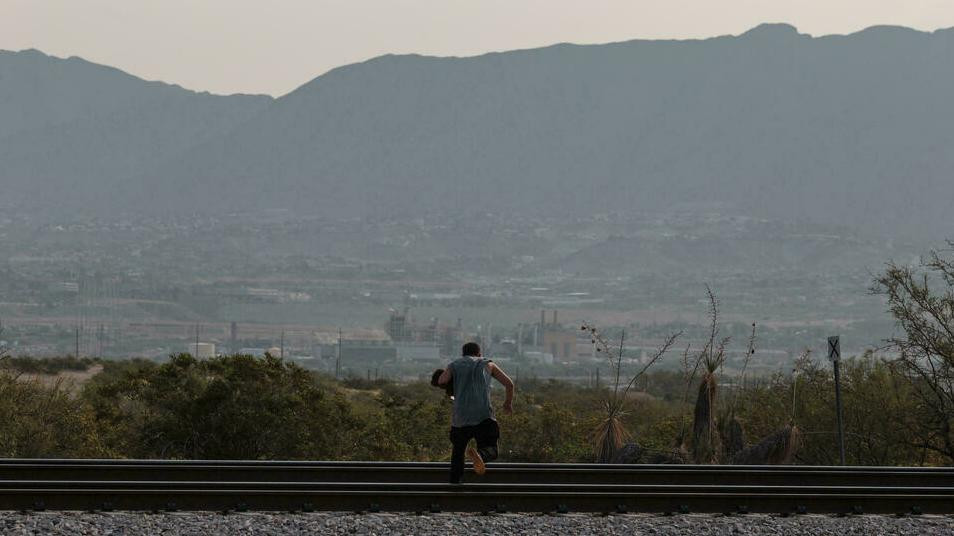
715	440
610	432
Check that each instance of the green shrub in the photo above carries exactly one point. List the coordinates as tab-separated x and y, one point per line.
45	421
234	407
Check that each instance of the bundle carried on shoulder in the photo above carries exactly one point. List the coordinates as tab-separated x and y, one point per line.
449	388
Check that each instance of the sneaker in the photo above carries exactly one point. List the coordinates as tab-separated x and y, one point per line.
478	462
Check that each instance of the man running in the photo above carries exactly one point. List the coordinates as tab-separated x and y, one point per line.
473	416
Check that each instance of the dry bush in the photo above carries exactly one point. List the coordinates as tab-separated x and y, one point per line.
778	448
733	437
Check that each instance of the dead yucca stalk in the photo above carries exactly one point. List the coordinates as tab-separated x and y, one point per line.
740	381
730	428
689	369
776	449
610	434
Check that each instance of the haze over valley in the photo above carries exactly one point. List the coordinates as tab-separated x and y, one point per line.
608	182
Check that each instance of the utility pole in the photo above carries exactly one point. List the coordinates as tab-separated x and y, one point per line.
834	354
338	355
281	348
76	352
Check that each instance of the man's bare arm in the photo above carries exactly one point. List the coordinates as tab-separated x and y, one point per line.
504	380
445	376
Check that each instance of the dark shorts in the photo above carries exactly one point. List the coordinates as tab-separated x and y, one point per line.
485	434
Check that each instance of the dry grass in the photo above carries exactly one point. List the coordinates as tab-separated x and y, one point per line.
70	381
609	437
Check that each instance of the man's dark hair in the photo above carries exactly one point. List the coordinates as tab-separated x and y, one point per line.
471	349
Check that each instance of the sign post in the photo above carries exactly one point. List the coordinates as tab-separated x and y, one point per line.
834	355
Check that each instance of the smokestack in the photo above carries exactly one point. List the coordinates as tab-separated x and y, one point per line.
520	339
554	318
543	318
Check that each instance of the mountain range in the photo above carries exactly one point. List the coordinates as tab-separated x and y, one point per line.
853	130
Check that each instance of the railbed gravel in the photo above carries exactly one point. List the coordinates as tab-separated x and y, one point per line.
205	524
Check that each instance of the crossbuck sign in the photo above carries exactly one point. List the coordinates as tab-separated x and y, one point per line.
834	348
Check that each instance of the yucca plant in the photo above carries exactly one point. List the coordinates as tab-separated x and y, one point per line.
705	436
610	433
717	440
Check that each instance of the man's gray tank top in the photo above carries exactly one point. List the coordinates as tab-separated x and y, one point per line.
471	391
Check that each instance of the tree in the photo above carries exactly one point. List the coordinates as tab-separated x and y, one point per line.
921	299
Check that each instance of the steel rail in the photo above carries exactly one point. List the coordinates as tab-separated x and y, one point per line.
363	486
297	471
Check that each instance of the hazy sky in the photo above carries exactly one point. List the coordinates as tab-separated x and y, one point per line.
262	46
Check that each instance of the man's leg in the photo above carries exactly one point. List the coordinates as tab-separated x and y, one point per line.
459	439
487	435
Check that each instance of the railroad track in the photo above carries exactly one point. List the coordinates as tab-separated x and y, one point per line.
421	487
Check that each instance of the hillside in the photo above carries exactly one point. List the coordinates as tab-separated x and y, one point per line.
74	134
847	130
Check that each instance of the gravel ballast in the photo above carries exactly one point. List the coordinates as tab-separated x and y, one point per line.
444	524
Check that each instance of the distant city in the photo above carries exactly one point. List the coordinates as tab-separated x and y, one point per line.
395	298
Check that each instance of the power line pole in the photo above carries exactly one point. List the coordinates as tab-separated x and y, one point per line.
76	349
834	354
281	348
